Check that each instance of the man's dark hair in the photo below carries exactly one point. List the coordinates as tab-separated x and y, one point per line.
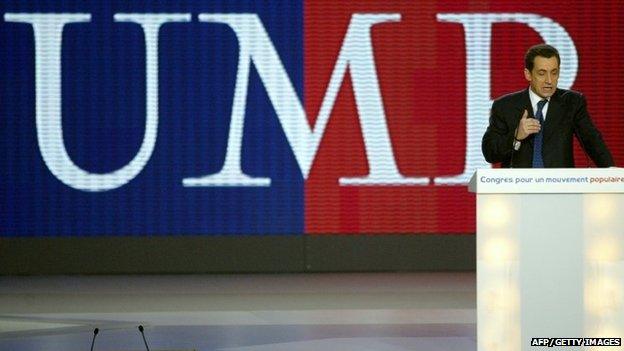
543	50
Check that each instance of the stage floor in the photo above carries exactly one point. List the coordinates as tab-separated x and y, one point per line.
294	312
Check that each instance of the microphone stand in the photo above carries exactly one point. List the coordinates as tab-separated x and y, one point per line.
143	335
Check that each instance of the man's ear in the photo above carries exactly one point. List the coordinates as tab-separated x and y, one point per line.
527	74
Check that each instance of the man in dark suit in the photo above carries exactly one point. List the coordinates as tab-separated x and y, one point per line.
534	127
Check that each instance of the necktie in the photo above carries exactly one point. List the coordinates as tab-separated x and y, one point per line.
538	160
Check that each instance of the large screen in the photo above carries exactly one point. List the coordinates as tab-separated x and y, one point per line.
273	117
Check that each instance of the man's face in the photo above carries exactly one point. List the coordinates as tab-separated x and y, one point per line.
544	76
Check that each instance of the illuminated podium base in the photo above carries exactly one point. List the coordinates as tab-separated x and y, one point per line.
550	248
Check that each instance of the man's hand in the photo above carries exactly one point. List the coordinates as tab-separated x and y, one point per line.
527	126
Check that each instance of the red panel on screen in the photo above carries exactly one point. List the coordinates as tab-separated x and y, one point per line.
421	66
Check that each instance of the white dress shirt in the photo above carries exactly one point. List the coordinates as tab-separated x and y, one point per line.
535	99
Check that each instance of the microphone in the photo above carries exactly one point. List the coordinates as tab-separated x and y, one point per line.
95	333
143	335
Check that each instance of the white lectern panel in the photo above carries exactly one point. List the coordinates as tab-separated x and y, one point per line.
549	265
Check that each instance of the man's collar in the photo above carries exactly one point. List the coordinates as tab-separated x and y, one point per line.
535	98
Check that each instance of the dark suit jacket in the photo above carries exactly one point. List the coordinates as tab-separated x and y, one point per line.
566	116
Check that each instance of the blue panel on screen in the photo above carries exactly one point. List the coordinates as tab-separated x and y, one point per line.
104	114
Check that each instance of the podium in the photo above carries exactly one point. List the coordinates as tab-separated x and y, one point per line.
550	256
